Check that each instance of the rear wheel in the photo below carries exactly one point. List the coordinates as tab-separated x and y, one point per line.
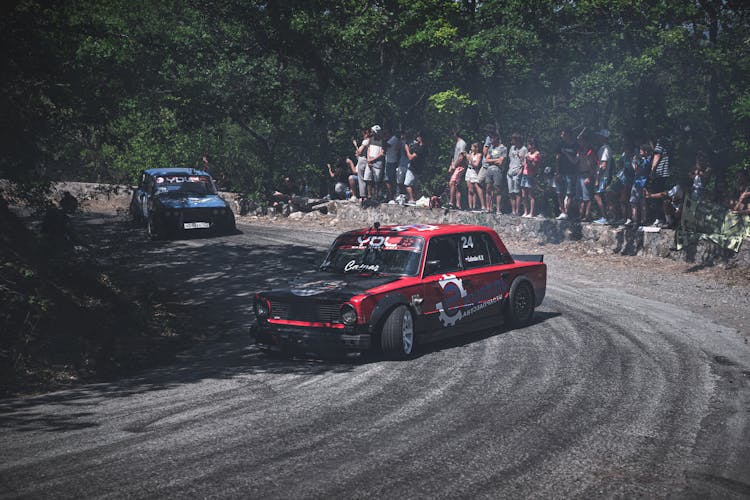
521	303
397	335
153	229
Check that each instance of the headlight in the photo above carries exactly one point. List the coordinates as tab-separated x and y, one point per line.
348	314
262	307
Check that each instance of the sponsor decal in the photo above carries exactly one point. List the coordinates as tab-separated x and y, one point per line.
307	289
371	241
353	266
474	258
456	299
415	227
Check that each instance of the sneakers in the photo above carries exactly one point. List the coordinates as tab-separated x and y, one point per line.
629	222
657	223
562	216
353	198
601	220
526	216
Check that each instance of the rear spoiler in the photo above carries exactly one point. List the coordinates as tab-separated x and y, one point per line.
529	257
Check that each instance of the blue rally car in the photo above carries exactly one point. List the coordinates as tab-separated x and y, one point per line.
172	200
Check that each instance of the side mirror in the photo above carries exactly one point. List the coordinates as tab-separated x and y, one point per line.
431	266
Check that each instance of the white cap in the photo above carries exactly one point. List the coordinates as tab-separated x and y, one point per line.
375	128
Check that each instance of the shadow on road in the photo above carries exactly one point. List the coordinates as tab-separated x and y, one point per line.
470	338
211	283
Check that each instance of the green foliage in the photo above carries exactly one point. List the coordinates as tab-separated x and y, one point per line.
98	90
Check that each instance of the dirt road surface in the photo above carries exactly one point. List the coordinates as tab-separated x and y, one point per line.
633	380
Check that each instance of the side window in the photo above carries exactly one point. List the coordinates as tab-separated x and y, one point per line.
496	255
474	251
445	250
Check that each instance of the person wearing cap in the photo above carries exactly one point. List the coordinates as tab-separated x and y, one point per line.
603	174
375	156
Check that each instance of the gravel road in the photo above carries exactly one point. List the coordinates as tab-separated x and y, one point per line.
634	379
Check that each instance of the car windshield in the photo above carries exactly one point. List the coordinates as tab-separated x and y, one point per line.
375	254
183	185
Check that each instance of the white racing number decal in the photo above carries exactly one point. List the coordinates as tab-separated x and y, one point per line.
467	242
458	303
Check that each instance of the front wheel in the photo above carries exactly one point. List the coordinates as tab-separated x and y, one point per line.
397	335
521	303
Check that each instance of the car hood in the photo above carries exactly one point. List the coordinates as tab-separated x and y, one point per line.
329	286
196	201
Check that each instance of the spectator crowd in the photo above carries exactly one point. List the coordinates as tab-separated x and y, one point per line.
583	178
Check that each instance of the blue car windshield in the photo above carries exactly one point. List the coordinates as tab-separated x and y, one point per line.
184	184
375	254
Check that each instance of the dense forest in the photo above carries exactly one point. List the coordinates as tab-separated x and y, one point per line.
99	89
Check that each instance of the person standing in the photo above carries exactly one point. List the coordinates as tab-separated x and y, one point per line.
586	170
455	170
658	177
528	176
565	177
392	150
403	165
494	160
417	153
374	170
360	151
641	167
603	175
473	186
517	153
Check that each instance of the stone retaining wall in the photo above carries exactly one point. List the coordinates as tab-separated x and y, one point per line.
622	240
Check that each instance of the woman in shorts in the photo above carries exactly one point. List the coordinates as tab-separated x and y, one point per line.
473	182
530	167
457	171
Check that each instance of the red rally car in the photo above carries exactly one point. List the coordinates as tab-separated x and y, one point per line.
392	287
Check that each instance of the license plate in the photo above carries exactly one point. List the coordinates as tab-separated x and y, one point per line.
196	225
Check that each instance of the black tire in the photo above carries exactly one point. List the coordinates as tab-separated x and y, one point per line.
397	335
135	214
520	303
153	229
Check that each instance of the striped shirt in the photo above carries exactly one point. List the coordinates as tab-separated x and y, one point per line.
662	168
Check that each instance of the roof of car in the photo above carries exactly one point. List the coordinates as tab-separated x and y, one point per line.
175	170
425	230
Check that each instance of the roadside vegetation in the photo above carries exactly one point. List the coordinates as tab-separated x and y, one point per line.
64	318
97	90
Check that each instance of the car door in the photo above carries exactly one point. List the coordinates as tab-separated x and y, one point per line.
449	289
485	274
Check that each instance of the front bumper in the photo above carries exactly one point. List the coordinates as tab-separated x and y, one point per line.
312	339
